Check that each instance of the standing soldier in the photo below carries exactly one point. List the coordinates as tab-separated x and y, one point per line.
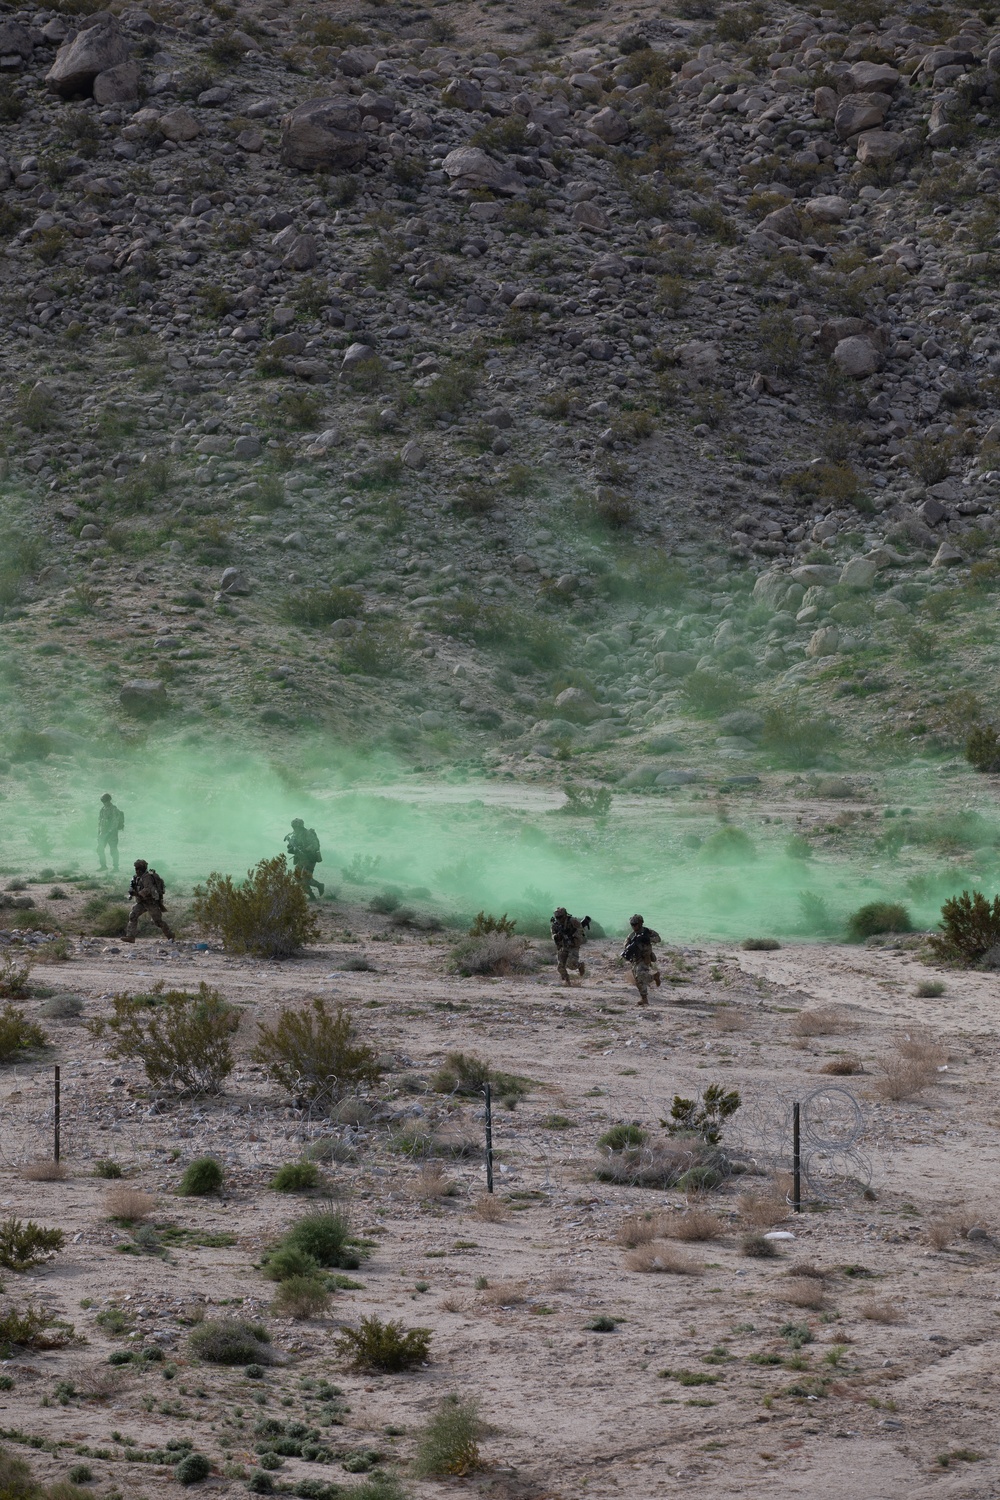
110	823
303	850
638	953
568	933
146	893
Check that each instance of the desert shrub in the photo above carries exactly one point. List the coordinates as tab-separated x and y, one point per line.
317	607
484	925
903	1077
881	1312
313	1052
449	1444
105	1167
763	1209
495	955
729	846
758	1246
760	945
104	918
930	989
585	801
815	914
182	1039
694	1224
845	1065
128	1205
268	914
376	650
982	748
231	1341
296	1177
18	1035
45	1171
793	738
970	929
706	1117
822	1021
803	1291
652	1165
205	1175
61	1007
30	1327
463	1073
876	917
660	1257
24	1244
712	692
287	1262
326	1237
15	976
300	1297
386	1347
621	1136
192	1469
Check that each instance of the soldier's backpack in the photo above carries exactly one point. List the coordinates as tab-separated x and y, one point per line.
120	819
155	886
311	848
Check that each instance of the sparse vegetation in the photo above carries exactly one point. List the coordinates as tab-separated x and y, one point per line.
498	954
24	1244
183	1040
878	917
267	914
314	1053
231	1341
449	1444
300	1297
386	1348
18	1035
203	1176
970	929
296	1177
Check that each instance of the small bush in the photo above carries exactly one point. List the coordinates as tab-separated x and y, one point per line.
876	917
128	1204
296	1177
704	1118
384	1347
18	1035
823	1021
758	1247
621	1136
192	1469
903	1078
318	607
793	738
105	1167
311	1052
30	1327
267	915
930	989
729	846
694	1224
497	955
970	929
45	1171
803	1291
657	1165
80	1474
230	1341
712	693
327	1238
982	748
15	977
205	1175
484	925
760	945
287	1262
462	1073
182	1039
62	1007
844	1066
24	1244
660	1257
764	1209
300	1297
449	1444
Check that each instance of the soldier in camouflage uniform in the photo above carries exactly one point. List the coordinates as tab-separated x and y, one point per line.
146	894
110	822
304	852
638	954
568	933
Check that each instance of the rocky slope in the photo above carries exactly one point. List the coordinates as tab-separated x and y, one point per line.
360	378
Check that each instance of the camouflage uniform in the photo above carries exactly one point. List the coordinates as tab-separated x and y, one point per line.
303	850
638	954
110	822
567	934
146	893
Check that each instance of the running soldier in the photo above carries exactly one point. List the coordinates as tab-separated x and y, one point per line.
638	954
568	933
146	894
303	850
110	823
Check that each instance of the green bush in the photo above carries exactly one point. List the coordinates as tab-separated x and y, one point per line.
876	917
313	1053
192	1469
796	739
231	1341
970	929
268	914
296	1177
729	846
105	1167
318	607
384	1347
104	917
205	1175
484	924
326	1237
712	692
18	1483
24	1244
288	1262
301	1297
18	1035
982	748
462	1073
449	1444
705	1118
15	976
620	1136
183	1040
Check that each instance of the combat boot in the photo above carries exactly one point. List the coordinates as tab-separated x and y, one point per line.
127	939
583	970
656	976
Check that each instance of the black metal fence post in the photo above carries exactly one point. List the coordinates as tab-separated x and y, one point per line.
489	1139
796	1159
56	1117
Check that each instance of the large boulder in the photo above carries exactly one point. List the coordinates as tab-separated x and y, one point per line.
783	221
462	93
868	76
471	170
857	112
118	85
859	573
323	133
143	697
876	148
609	126
96	49
824	642
179	125
857	357
828	208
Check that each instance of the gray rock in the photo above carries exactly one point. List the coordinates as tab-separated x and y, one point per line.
431	719
675	663
932	511
609	126
356	356
233	582
462	93
413	455
857	112
117	85
676	778
143	697
589	216
97	48
857	357
470	169
15	40
744	721
578	704
179	125
947	556
828	208
302	253
859	573
823	574
824	642
324	133
878	147
246	447
867	77
783	221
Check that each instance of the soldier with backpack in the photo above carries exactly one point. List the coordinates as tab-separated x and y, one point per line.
110	823
146	894
304	852
638	954
568	932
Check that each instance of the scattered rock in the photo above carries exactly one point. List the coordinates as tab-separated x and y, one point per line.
97	48
324	133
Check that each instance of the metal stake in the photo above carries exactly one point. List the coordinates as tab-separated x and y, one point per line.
796	1160
489	1139
56	1121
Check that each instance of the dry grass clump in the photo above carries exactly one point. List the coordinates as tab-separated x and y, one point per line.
490	1209
845	1065
660	1257
803	1291
941	1233
638	1229
662	1165
128	1203
434	1182
823	1021
44	1171
694	1224
762	1209
881	1312
758	1247
730	1020
505	1294
903	1077
922	1047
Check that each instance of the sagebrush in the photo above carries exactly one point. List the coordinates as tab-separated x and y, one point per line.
268	914
449	1444
970	929
18	1035
387	1347
24	1244
314	1052
231	1341
183	1039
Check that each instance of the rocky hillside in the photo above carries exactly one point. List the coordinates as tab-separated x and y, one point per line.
492	383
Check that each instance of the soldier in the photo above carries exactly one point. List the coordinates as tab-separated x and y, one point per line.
303	850
567	934
638	953
146	893
110	823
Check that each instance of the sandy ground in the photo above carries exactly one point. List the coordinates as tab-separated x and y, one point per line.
862	1408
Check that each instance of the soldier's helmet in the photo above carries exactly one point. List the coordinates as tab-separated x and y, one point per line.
141	865
297	823
635	921
106	797
560	911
